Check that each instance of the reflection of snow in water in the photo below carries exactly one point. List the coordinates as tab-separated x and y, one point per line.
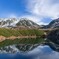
9	49
18	48
40	52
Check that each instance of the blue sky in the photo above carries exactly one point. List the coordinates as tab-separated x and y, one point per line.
12	7
39	11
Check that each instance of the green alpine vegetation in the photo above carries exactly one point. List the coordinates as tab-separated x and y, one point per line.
22	41
18	32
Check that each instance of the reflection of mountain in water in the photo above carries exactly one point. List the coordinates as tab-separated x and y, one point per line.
40	52
18	48
26	47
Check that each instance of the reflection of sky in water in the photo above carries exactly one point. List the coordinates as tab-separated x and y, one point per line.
44	52
41	52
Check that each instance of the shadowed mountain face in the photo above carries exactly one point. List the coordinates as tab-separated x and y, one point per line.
53	38
54	24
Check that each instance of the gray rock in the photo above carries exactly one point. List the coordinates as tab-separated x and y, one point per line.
53	39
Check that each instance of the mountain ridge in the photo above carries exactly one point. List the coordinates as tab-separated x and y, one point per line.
54	23
17	22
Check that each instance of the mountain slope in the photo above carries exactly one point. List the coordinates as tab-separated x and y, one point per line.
27	23
54	24
5	22
16	22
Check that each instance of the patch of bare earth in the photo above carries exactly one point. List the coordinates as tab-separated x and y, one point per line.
2	38
12	37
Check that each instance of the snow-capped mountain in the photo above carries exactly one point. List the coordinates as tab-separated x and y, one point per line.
27	23
54	24
7	22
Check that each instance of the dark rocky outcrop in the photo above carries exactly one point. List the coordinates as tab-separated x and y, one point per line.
54	36
53	39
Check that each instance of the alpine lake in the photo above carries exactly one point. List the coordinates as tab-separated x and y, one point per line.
30	48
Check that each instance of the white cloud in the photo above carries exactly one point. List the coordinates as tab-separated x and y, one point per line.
43	8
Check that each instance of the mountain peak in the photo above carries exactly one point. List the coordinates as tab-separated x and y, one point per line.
27	23
17	22
54	23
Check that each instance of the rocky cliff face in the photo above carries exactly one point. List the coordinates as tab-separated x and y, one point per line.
54	36
53	39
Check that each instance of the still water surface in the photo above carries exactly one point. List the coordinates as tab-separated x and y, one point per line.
39	52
